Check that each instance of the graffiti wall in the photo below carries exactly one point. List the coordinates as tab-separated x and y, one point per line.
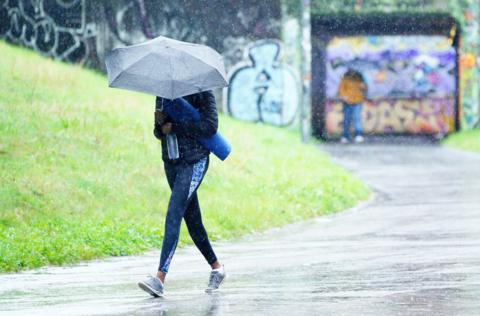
262	89
411	82
55	28
86	30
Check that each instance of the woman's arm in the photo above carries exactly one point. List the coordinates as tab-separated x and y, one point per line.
207	125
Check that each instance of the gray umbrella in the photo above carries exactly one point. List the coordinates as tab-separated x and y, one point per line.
165	67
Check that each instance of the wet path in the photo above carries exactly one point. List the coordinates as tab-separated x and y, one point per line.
413	250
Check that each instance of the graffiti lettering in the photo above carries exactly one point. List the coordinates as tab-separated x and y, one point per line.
395	66
55	28
84	30
387	116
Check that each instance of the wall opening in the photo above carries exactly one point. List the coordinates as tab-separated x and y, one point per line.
410	65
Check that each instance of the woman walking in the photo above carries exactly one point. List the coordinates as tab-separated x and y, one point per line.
185	172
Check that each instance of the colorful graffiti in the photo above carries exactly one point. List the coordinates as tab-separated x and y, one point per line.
395	66
469	72
86	30
263	90
385	116
56	28
411	82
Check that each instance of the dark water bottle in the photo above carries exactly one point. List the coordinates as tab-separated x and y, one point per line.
172	146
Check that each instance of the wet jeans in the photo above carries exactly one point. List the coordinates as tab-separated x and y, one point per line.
184	180
352	113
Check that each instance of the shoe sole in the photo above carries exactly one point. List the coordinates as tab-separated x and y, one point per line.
214	290
149	290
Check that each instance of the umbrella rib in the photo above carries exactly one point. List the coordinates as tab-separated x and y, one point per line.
172	74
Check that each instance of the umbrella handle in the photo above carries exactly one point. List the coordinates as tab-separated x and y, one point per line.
161	108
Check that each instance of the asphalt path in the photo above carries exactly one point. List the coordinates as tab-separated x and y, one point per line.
413	249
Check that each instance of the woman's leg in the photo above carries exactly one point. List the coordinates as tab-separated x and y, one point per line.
187	179
193	219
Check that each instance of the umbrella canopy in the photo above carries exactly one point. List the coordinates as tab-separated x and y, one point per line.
167	68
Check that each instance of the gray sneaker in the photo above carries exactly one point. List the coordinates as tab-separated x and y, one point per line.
216	278
152	285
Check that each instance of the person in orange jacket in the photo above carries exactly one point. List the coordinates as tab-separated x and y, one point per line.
352	91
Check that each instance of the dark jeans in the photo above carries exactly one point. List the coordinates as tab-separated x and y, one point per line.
184	180
352	113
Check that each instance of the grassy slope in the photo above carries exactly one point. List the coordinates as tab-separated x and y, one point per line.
467	140
81	174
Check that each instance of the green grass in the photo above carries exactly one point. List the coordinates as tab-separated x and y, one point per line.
81	173
466	140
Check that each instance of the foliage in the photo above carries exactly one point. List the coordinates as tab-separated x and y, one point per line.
323	6
453	7
467	140
292	7
82	176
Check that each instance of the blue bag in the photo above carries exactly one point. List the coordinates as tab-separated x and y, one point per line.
182	111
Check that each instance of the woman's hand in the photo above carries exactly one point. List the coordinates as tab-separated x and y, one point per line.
167	128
